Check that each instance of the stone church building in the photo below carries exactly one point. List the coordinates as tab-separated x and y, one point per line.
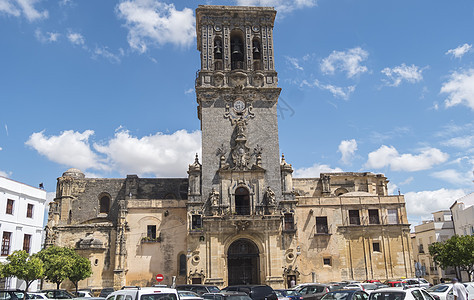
239	217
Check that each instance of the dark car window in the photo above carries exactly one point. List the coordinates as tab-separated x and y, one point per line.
439	288
213	289
427	296
159	297
417	294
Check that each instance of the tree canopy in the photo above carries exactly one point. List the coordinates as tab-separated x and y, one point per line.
23	266
64	263
457	252
80	269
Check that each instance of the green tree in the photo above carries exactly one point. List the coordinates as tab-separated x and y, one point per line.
58	263
23	266
457	252
81	269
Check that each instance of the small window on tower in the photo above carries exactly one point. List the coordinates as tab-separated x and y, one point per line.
376	246
104	204
196	222
322	225
151	232
218	48
327	261
289	222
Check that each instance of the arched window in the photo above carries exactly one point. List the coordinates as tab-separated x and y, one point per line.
257	55
237	50
182	265
242	201
104	205
218	49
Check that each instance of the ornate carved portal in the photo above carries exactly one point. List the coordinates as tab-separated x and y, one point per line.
243	263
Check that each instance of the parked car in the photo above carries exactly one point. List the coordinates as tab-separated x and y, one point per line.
188	295
442	291
223	295
40	296
256	292
144	293
106	291
416	282
372	281
314	291
57	294
83	294
13	294
400	294
394	283
288	294
362	286
346	295
470	289
199	289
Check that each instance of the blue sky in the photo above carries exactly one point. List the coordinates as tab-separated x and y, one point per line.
107	87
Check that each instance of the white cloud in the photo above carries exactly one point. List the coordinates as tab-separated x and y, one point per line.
4	174
282	6
401	73
392	188
460	89
159	154
454	177
459	51
336	91
346	61
422	204
314	171
25	7
294	63
76	38
464	142
189	91
1	148
166	155
104	52
151	22
347	149
48	37
70	148
387	156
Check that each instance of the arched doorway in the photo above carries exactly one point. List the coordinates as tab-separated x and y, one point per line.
242	201
243	263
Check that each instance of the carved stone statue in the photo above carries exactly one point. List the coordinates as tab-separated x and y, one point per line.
214	197
269	196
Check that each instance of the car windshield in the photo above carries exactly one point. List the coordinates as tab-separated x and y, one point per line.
337	296
387	296
159	296
439	288
238	297
292	293
213	289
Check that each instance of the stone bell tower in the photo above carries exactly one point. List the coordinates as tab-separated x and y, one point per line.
237	97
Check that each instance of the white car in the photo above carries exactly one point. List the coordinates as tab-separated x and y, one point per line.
444	291
144	293
40	296
400	294
416	282
367	287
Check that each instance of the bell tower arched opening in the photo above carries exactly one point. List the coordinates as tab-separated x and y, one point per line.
243	263
237	50
242	201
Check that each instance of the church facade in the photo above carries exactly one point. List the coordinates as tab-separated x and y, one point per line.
239	217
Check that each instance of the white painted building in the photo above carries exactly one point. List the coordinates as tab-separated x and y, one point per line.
463	215
440	229
21	223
